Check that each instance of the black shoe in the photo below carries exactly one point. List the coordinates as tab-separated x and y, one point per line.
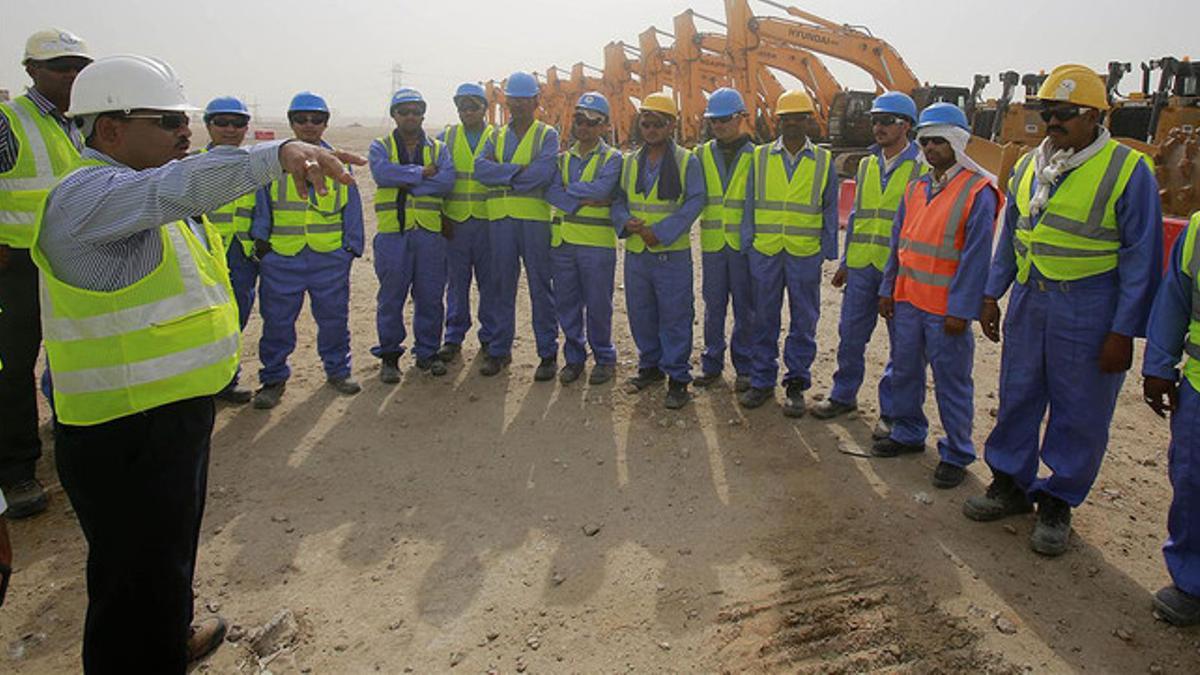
570	373
741	383
1002	499
25	498
677	395
947	475
268	395
492	365
829	409
546	370
883	429
793	404
890	448
449	352
707	379
756	396
601	373
346	386
647	377
433	364
389	370
235	395
1052	533
1176	607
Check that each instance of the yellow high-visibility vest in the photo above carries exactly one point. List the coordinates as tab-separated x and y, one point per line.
45	153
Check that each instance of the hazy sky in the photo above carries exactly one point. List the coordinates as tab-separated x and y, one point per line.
265	52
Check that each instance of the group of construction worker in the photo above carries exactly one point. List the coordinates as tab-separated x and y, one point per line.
136	264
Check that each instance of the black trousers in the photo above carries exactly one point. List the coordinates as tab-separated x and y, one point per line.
137	485
20	340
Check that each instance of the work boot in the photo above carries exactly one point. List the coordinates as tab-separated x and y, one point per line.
432	364
234	395
741	384
883	429
570	373
707	379
829	409
756	396
888	447
389	370
449	351
601	373
268	395
492	365
546	370
947	475
1176	607
25	498
205	637
1052	533
1002	499
677	395
347	386
793	403
646	377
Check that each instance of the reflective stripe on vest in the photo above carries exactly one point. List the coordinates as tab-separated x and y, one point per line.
721	219
650	208
589	225
522	205
233	220
44	153
1076	234
875	210
1191	268
788	212
425	211
170	336
297	222
469	197
931	240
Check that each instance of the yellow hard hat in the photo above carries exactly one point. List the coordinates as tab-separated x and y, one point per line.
1076	84
660	103
794	101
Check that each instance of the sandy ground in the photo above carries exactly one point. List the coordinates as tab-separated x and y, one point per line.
442	525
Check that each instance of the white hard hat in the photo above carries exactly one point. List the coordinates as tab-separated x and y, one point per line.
53	43
127	82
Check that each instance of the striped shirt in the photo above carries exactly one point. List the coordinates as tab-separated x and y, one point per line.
9	147
100	230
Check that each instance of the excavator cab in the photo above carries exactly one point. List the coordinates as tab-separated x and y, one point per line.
850	119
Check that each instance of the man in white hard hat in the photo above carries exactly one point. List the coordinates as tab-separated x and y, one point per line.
37	145
141	330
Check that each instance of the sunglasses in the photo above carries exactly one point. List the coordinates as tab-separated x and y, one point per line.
469	107
66	64
1064	113
647	123
237	122
408	112
585	121
932	140
165	121
308	118
722	119
884	120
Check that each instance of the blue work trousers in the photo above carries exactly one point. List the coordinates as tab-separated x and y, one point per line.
860	312
920	340
801	277
243	276
660	304
583	292
325	277
469	253
1052	339
512	241
412	261
726	276
1182	550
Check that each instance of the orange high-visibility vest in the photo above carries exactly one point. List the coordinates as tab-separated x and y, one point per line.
931	240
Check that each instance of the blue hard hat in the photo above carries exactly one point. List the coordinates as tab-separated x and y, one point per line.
594	101
406	95
306	101
725	102
521	85
896	103
943	113
225	105
470	89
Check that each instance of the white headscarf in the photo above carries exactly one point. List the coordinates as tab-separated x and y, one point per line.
958	139
1051	164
